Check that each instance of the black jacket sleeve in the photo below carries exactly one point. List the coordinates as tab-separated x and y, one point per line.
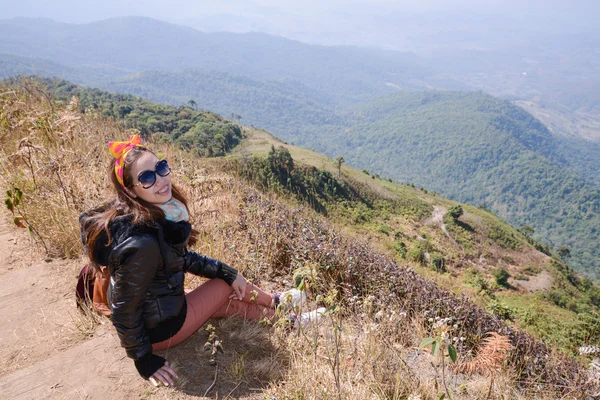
136	261
209	267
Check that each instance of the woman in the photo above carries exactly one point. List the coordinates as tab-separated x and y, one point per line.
142	237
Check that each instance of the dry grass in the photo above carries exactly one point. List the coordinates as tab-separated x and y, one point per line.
371	361
348	359
53	156
86	320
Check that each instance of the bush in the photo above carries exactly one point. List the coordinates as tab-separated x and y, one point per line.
559	298
438	262
475	279
417	254
385	229
400	248
595	297
455	212
504	237
501	275
500	310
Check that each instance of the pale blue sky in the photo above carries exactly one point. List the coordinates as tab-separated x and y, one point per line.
90	10
397	24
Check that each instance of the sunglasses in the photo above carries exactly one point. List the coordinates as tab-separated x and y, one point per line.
148	178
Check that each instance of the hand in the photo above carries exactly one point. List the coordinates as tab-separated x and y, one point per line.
239	287
164	375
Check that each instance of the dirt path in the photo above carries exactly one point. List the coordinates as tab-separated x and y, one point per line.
50	350
437	218
38	316
14	247
75	374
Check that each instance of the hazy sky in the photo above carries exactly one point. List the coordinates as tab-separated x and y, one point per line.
90	10
384	23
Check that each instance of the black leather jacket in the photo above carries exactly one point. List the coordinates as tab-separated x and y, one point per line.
147	265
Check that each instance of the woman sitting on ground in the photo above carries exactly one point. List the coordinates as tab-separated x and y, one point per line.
142	236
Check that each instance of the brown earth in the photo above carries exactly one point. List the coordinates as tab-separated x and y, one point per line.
540	282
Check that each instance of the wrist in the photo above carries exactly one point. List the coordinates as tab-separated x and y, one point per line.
149	364
227	273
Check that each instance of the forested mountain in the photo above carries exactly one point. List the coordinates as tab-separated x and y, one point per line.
271	104
477	149
208	133
137	44
556	77
11	65
583	156
295	111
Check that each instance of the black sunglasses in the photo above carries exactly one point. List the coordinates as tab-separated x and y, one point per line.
148	178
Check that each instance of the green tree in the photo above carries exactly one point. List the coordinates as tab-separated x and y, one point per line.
564	252
501	276
338	163
455	212
527	230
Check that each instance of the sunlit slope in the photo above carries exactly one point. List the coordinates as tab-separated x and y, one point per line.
476	149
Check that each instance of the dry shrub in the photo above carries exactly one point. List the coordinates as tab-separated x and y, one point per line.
362	360
53	155
489	359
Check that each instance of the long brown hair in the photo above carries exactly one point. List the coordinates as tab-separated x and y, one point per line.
124	204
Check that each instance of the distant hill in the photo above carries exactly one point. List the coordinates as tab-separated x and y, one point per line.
11	65
274	104
136	44
291	110
557	78
208	133
477	149
552	73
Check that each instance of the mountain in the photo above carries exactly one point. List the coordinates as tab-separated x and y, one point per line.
12	65
477	149
136	44
276	105
554	77
541	65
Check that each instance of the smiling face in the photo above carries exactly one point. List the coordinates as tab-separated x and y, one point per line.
160	192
